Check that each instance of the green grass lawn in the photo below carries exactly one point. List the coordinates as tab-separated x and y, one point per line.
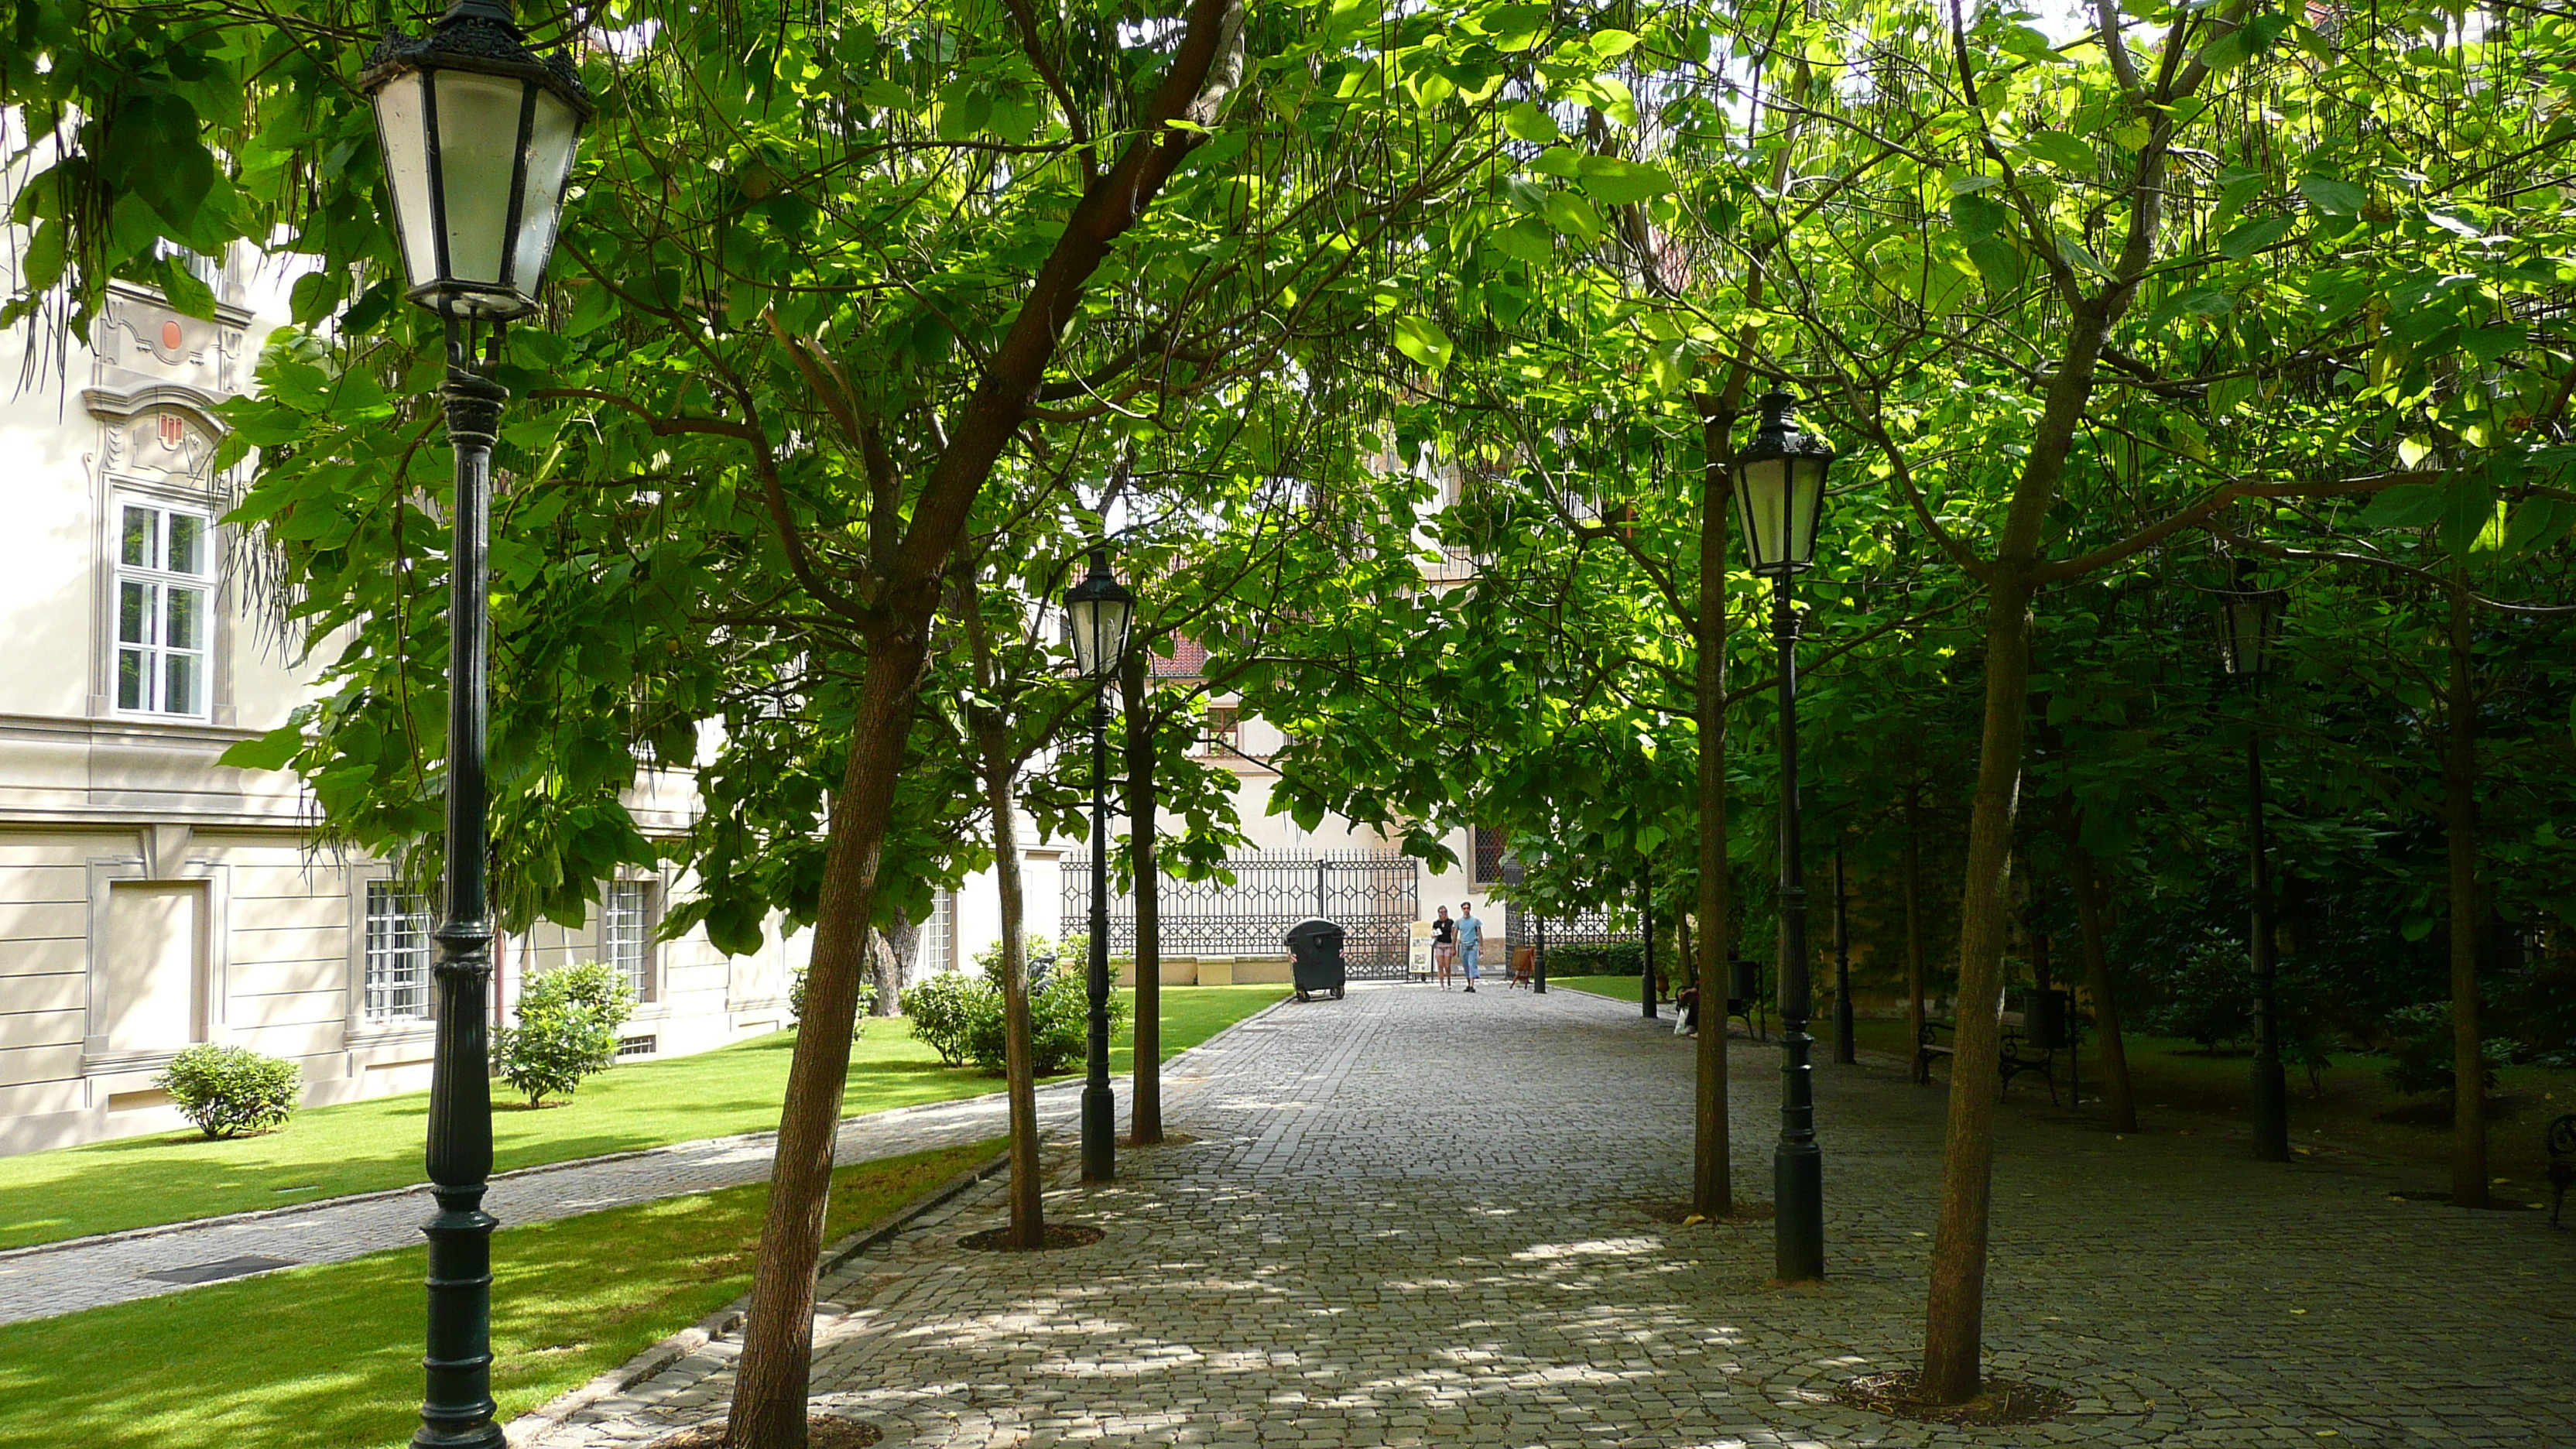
1622	987
364	1146
328	1357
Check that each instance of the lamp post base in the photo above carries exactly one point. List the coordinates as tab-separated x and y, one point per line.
1099	1134
1798	1200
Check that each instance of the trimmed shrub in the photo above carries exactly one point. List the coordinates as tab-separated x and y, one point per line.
2421	1059
867	1000
231	1091
1059	1026
568	1020
1616	958
942	1010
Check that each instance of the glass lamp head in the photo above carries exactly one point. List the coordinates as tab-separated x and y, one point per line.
478	135
1098	610
1780	490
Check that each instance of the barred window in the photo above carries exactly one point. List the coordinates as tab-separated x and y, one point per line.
626	936
397	963
937	946
1489	855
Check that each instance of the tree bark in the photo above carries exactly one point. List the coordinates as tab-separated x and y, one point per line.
1019	1063
2084	875
1712	1174
894	965
1953	1348
1146	1110
2460	828
778	1335
1921	1067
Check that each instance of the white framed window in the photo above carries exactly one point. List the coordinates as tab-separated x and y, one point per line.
397	957
165	580
936	947
626	934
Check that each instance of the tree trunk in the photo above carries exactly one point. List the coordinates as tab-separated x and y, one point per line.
778	1334
2083	874
1712	1174
1028	1186
894	966
1914	1013
1955	1319
2460	827
1146	1111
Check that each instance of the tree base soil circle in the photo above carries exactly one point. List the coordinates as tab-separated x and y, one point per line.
1999	1401
1058	1235
822	1431
1683	1216
1168	1139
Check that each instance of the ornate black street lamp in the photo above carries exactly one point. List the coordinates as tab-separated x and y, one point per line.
1779	495
1099	609
2249	633
478	135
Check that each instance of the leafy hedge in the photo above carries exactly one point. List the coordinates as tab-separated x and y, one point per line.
568	1020
960	1017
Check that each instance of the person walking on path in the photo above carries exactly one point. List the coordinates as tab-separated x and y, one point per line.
1471	938
1444	946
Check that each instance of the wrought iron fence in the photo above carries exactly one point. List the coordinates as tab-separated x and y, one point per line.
1592	928
1373	898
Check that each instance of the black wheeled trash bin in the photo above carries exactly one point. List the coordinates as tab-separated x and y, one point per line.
1315	952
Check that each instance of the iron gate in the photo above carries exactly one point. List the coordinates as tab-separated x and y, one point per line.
1373	898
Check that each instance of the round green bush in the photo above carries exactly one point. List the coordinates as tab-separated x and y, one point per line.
229	1091
568	1020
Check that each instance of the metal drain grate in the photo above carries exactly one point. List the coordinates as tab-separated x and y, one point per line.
226	1268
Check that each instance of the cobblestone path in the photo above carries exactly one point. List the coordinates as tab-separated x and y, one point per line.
1417	1218
65	1278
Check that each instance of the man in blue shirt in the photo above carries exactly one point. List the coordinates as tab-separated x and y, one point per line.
1471	938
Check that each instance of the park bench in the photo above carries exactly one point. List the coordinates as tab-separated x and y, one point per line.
2019	1054
2561	1141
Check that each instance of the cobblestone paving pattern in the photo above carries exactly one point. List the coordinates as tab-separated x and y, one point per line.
44	1282
1416	1218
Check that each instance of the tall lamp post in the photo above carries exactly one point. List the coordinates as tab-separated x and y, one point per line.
478	138
1779	495
478	135
2249	632
1099	609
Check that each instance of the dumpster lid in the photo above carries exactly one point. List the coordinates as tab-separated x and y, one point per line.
1312	927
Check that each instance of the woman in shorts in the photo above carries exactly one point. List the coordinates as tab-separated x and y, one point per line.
1444	946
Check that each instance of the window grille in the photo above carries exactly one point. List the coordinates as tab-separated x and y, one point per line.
397	959
638	1046
164	591
627	935
1489	855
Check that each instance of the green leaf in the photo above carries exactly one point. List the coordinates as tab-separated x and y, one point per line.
2486	344
2230	393
1574	216
2538	523
1963	182
192	297
2253	237
2063	150
964	107
1614	182
2334	198
2468	510
1530	121
315	295
1527	240
2408	505
1424	341
271	751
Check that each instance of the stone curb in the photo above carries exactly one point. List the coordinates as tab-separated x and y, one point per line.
157	1230
725	1320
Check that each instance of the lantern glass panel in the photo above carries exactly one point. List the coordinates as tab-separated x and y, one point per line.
478	159
552	140
1806	505
1761	503
404	132
1083	615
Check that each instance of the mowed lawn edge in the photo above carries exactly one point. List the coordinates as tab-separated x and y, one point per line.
328	1356
375	1145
